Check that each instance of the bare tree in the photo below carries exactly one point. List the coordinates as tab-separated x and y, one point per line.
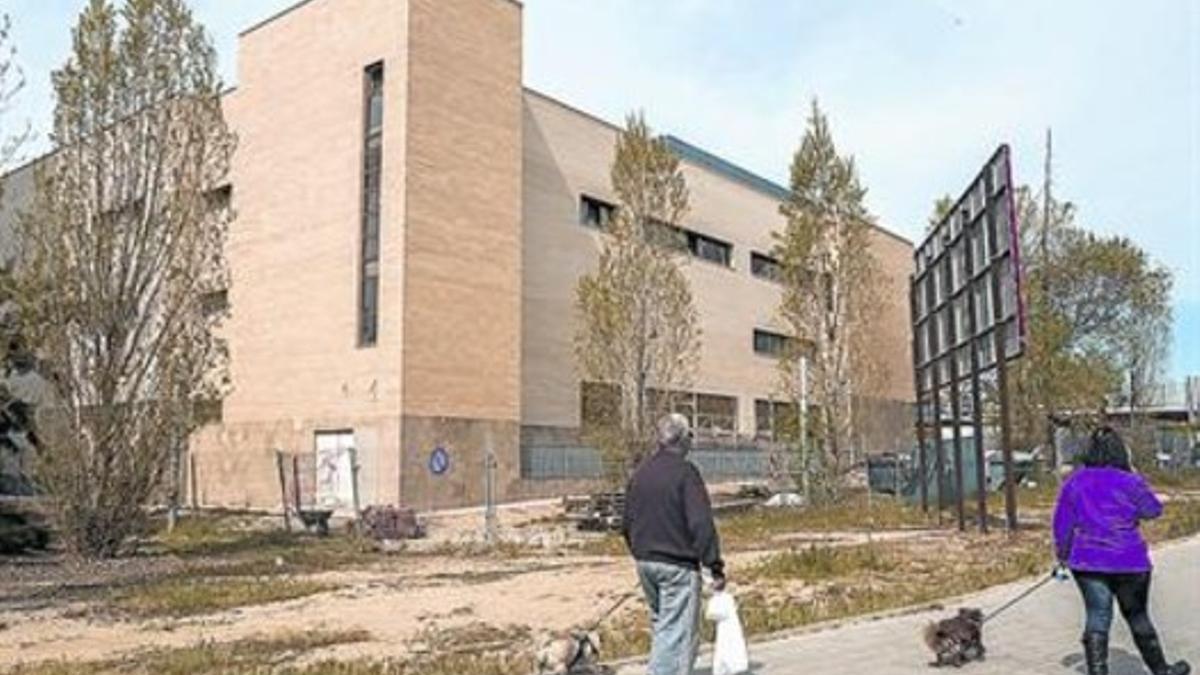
638	331
121	245
831	287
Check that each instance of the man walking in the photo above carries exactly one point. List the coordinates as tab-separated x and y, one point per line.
668	526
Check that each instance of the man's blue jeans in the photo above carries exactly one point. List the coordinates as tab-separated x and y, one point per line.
673	595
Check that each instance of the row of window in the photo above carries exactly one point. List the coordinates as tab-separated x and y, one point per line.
599	214
710	415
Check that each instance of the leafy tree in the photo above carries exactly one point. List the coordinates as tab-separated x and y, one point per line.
1099	314
831	286
121	243
638	330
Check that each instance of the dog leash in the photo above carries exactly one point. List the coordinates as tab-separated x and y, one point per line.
1025	594
612	610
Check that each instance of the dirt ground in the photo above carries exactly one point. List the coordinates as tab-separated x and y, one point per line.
543	583
544	579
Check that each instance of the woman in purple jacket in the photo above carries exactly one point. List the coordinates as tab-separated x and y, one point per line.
1096	535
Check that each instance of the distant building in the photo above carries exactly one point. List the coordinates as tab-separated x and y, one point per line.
411	222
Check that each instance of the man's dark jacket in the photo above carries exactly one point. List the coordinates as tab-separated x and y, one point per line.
668	517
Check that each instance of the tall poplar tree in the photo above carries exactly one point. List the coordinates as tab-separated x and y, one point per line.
638	333
831	283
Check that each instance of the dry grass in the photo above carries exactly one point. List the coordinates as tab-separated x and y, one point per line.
193	595
801	587
756	529
477	650
257	655
209	538
1178	479
817	563
1181	518
798	588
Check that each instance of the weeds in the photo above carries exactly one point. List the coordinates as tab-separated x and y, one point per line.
819	562
1181	518
256	655
190	596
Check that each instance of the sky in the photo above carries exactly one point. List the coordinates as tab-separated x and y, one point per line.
919	91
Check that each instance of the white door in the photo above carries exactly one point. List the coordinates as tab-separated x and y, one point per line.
335	473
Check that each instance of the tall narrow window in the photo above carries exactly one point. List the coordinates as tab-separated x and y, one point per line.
368	306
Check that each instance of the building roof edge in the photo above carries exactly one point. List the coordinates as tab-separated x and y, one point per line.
703	158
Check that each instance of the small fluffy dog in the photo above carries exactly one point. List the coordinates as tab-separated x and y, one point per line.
957	640
577	654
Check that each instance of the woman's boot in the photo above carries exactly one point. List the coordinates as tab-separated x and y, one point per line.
1152	654
1095	650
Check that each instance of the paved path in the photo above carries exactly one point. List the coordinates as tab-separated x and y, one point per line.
1040	636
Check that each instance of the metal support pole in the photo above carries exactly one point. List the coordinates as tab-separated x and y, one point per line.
999	330
956	413
489	492
354	473
981	467
939	461
922	463
176	470
956	400
283	497
296	483
193	483
1010	485
919	413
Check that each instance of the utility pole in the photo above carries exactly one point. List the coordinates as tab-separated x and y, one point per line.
1044	245
1047	186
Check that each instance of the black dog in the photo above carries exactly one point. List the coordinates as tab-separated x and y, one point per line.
957	640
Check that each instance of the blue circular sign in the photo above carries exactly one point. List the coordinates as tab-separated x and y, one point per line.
439	461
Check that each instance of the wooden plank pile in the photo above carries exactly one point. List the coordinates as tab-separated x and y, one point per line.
597	512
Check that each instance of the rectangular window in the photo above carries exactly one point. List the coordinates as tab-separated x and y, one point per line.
770	344
716	416
661	233
773	419
710	415
595	213
707	248
368	306
766	267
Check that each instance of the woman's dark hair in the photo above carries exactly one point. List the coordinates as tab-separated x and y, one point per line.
1106	449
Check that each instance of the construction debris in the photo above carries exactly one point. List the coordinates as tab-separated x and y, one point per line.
597	512
391	523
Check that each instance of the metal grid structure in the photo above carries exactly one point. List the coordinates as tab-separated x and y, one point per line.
966	310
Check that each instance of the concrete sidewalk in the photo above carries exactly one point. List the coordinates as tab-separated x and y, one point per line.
1038	636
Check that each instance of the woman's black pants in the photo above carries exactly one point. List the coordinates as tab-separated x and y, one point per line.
1132	593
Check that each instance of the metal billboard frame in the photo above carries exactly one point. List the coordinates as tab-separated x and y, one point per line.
967	307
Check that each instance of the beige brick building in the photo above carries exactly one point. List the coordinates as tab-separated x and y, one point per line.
411	221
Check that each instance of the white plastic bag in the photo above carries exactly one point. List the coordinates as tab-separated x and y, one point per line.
729	652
